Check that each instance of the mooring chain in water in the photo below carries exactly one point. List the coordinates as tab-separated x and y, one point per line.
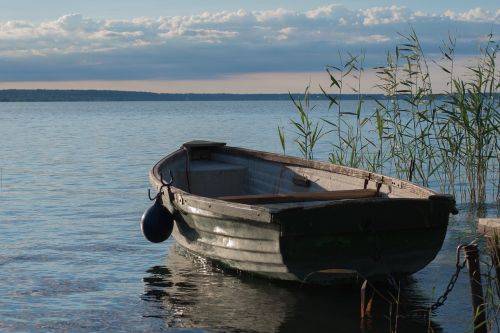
458	267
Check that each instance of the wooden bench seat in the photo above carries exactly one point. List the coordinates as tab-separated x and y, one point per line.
301	196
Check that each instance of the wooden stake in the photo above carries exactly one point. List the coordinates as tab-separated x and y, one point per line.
476	288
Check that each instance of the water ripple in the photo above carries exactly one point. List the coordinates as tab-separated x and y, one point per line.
50	287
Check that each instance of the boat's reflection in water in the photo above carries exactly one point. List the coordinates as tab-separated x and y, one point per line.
190	293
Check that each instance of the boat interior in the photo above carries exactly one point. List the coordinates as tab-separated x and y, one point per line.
238	175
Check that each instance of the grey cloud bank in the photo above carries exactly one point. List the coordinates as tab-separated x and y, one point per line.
211	45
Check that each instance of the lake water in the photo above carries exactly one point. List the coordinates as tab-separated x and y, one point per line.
73	185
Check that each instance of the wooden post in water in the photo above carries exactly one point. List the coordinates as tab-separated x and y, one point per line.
491	229
476	288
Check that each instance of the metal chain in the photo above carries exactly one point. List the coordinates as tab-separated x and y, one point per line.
458	267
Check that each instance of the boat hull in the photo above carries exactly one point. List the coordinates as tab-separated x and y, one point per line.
398	232
326	245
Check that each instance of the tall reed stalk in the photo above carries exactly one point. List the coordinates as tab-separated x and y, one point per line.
308	132
448	133
347	126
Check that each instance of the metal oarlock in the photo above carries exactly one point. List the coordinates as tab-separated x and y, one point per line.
164	184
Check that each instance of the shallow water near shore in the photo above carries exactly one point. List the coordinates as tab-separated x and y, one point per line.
73	185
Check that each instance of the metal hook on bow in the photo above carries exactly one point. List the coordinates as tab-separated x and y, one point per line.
155	197
163	184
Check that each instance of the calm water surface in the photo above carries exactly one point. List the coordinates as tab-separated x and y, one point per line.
73	185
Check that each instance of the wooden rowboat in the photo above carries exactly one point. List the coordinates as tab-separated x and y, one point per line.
288	218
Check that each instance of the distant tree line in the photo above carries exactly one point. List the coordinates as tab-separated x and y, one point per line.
45	95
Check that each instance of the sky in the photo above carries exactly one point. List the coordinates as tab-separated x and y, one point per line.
233	46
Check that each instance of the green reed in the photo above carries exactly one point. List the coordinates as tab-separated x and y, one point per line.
352	144
474	110
448	132
308	132
450	139
408	111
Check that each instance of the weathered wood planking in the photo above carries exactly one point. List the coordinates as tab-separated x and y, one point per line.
489	227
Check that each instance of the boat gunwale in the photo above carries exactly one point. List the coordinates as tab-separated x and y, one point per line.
214	207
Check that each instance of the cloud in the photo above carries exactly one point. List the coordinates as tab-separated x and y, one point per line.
322	12
210	45
271	15
474	15
385	15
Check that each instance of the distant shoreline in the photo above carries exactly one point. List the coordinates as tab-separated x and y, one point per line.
50	95
53	95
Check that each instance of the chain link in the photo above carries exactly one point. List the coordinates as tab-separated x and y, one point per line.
458	267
